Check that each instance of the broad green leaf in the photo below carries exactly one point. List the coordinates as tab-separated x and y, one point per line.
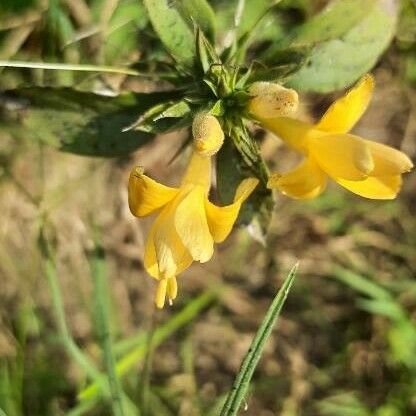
121	39
406	30
77	122
231	170
253	11
173	31
274	74
337	63
199	12
335	20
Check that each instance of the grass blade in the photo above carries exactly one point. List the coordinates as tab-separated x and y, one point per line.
102	317
71	67
128	362
252	358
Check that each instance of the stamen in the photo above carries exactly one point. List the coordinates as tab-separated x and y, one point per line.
161	293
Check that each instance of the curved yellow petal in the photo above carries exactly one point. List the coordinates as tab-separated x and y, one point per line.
342	156
192	227
146	195
198	171
383	187
388	160
222	219
293	132
344	113
165	256
306	181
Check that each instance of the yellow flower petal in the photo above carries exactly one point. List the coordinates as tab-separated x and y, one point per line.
294	132
192	226
222	219
342	115
165	256
161	293
172	288
342	156
383	187
388	161
146	195
306	181
198	171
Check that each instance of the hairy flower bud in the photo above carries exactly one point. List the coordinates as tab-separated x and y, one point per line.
270	100
208	134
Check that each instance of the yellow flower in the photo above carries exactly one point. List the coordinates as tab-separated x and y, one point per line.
369	169
187	224
269	100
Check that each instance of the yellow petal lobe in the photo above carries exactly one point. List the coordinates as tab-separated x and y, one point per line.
344	113
192	226
198	172
172	289
146	195
294	133
383	187
387	160
306	181
342	156
165	255
161	293
222	219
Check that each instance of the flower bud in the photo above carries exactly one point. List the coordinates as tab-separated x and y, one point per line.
208	134
270	100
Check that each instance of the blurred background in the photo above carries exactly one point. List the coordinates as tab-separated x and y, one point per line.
346	341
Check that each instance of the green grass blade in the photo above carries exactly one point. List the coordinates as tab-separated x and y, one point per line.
242	381
128	361
71	67
102	318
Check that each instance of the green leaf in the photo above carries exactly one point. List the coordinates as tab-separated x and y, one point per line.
249	364
337	63
334	21
199	12
163	117
120	43
77	122
274	74
232	168
206	55
252	12
173	31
